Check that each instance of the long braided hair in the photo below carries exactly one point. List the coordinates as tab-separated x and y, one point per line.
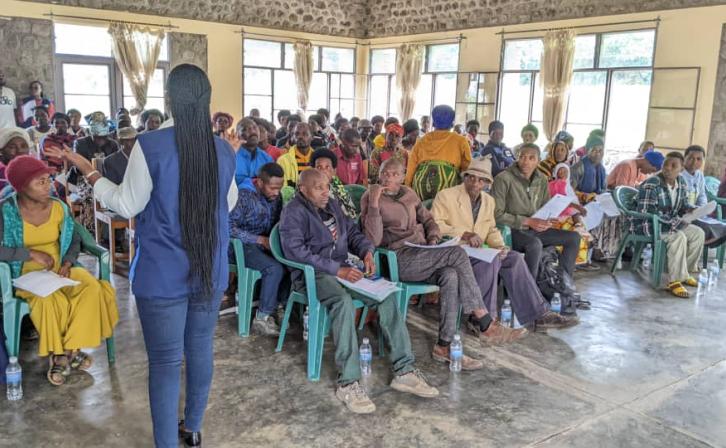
189	94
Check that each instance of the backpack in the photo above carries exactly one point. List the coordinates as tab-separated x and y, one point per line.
552	279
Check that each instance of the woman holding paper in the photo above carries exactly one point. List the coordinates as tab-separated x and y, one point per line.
37	233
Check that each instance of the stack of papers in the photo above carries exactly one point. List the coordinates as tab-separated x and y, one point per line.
554	207
377	290
701	212
607	204
43	283
481	253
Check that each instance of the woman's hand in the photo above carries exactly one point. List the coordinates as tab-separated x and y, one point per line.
73	158
235	140
42	259
65	269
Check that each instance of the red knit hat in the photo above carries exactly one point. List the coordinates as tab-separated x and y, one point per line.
22	169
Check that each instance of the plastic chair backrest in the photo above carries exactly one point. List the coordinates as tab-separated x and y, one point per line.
355	192
428	203
712	185
625	197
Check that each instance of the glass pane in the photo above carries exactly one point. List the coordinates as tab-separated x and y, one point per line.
285	90
289	56
488	87
88	103
86	79
334	87
423	97
318	96
587	98
632	49
164	53
445	90
156	85
580	132
263	103
347	108
514	110
383	60
627	114
443	58
262	53
151	103
522	54
675	87
584	51
84	40
334	107
257	81
347	86
395	98
467	87
464	112
537	100
378	95
338	59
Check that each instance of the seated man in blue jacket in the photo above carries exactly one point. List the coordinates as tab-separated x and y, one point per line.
315	231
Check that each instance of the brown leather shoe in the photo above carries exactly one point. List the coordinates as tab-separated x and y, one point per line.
498	334
441	354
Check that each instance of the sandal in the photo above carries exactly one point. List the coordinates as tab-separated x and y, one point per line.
81	360
677	289
690	281
57	372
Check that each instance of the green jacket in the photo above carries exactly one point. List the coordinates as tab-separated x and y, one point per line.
517	197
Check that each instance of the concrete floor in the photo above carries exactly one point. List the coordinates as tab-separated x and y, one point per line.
642	370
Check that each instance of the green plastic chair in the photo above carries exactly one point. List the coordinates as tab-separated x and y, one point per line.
625	199
355	192
246	280
14	309
318	319
712	185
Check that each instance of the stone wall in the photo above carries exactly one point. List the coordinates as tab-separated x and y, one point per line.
188	48
716	157
332	17
26	46
402	17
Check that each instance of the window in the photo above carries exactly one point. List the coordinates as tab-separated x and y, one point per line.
610	88
476	98
437	86
89	78
269	82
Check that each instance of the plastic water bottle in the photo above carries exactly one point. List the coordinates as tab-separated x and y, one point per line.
366	355
647	257
713	273
305	325
702	283
456	353
505	317
14	379
556	303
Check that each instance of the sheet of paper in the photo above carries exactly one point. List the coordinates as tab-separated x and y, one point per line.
481	253
553	208
607	204
700	212
42	283
28	111
711	221
375	289
594	215
449	243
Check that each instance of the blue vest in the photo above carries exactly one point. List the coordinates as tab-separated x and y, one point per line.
160	267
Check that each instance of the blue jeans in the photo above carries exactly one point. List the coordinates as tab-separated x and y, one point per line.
275	281
175	329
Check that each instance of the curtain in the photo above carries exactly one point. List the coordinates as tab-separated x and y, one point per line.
555	78
303	69
136	50
408	75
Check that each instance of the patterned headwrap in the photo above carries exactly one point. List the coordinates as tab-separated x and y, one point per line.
395	128
98	124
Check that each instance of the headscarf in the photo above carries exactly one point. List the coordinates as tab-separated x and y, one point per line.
594	141
98	124
395	128
443	116
410	126
530	128
7	134
566	137
568	186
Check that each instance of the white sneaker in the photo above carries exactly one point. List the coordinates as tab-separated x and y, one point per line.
355	398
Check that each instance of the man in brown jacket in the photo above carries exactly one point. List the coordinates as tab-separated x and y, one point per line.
393	215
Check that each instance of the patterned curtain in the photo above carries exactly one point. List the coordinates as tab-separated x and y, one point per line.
408	75
555	77
303	69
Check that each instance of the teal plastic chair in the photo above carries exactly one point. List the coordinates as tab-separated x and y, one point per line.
712	185
14	309
246	280
625	199
318	319
355	192
506	232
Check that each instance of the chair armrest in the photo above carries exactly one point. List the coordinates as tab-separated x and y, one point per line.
6	283
89	246
392	260
506	232
239	253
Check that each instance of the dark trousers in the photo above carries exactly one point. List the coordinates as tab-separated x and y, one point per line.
176	330
527	301
274	284
530	243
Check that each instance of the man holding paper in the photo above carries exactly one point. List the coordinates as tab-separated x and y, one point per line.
315	231
467	212
519	192
392	216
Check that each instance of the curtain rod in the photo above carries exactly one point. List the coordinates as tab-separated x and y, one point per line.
52	16
293	39
630	22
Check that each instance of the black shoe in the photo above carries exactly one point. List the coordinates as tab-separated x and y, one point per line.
189	438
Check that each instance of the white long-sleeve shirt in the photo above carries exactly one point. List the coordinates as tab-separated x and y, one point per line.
130	197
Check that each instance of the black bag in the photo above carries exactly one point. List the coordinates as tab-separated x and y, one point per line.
552	279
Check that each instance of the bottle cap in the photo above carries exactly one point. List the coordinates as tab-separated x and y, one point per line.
13	359
365	340
457	337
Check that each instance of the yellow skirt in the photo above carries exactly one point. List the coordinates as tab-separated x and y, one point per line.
569	224
74	317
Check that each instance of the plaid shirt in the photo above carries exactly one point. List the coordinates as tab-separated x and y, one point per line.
253	216
653	198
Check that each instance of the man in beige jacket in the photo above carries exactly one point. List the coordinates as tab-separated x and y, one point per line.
467	211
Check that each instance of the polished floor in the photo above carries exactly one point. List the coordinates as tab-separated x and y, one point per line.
642	370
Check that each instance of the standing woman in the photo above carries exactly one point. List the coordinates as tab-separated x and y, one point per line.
180	186
35	99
